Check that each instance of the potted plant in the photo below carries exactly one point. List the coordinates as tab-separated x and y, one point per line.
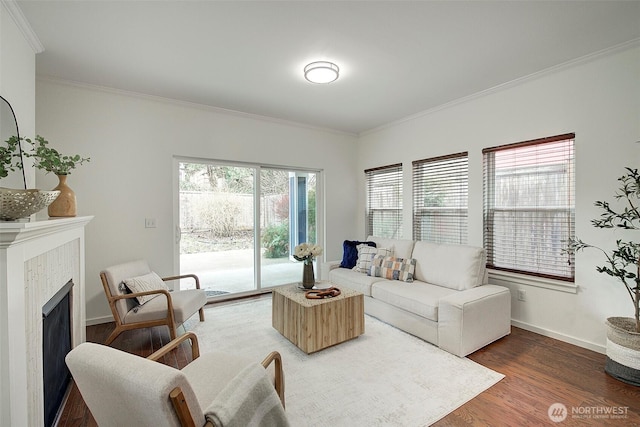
307	252
622	263
19	203
51	160
10	159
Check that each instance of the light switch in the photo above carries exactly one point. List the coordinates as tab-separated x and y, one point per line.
149	223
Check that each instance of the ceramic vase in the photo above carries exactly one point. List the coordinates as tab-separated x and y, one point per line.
308	278
65	204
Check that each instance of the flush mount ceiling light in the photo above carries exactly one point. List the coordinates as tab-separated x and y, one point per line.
321	72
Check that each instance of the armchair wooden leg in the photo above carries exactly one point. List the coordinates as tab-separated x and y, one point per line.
114	334
201	313
182	410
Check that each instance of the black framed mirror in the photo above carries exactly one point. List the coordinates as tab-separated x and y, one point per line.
9	128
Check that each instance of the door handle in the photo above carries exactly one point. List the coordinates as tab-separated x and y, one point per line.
178	234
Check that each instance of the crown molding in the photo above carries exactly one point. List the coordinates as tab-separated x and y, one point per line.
516	82
25	28
189	104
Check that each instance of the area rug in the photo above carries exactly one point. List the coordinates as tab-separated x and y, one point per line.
212	293
385	377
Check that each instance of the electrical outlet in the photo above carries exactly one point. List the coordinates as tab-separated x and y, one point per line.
149	223
522	295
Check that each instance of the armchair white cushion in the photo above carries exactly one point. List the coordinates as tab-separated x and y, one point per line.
122	389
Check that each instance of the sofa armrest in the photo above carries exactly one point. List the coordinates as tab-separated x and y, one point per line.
326	267
470	319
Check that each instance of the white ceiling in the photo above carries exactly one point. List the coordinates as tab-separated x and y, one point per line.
396	58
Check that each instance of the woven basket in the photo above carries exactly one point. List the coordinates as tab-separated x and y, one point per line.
621	330
623	350
16	204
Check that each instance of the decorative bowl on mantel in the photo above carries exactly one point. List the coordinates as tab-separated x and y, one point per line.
16	204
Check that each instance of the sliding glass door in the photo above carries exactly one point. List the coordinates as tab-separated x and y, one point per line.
287	218
238	224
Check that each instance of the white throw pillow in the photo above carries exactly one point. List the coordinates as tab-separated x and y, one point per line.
366	254
148	282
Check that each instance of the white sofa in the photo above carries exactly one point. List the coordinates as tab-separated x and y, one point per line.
449	303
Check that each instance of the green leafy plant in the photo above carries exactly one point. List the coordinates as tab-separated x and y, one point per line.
623	262
10	158
50	159
275	240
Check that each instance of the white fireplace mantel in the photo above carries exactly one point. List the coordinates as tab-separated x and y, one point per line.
37	258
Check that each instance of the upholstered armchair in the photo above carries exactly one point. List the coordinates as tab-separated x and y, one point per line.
215	389
138	298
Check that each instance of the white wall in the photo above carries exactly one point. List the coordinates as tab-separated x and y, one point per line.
17	84
132	140
599	100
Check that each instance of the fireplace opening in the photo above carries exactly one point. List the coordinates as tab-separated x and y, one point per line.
56	343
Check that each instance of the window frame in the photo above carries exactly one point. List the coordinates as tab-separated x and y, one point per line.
451	173
568	210
390	176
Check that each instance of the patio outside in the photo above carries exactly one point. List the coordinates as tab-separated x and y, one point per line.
230	270
217	215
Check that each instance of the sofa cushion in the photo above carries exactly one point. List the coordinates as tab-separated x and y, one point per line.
453	266
418	297
353	280
365	256
393	268
350	252
399	247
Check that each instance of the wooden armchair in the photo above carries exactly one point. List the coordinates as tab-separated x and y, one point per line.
120	388
169	308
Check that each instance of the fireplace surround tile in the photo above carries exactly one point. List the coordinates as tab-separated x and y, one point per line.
37	258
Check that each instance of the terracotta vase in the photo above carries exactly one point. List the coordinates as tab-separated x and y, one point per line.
65	204
308	278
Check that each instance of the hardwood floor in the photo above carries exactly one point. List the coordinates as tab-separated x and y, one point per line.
539	372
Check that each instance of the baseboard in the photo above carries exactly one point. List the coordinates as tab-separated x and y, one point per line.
522	325
561	337
99	320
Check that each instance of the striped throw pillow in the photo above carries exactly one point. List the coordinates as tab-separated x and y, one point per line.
365	256
148	282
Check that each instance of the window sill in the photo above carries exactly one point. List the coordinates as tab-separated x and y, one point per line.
505	278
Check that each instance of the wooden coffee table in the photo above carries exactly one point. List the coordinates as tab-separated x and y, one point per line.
316	324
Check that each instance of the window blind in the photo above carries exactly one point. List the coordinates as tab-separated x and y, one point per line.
440	199
384	201
529	206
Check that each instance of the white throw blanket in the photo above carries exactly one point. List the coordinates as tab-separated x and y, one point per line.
248	400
